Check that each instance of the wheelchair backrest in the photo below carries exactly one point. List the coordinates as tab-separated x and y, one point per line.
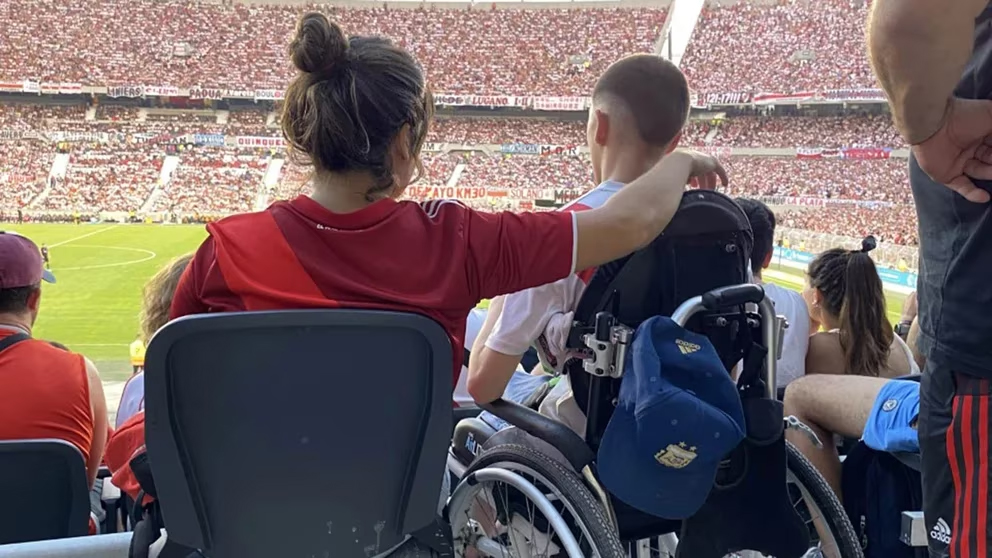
707	245
43	491
298	433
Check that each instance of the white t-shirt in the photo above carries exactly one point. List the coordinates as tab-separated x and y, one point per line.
473	324
542	316
795	342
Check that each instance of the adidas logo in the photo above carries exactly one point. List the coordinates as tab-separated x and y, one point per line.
686	347
941	532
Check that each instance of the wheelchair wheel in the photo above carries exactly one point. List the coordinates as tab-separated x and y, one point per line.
526	518
821	509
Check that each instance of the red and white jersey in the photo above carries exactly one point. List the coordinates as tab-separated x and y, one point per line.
542	316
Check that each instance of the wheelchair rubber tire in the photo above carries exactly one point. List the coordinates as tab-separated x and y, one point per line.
824	498
587	508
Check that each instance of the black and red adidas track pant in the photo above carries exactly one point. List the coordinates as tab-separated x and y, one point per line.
954	441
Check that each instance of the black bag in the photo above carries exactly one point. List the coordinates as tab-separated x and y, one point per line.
877	488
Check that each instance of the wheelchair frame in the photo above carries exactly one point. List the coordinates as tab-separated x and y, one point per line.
609	343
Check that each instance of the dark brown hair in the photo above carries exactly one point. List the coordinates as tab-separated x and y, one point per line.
349	101
655	92
852	291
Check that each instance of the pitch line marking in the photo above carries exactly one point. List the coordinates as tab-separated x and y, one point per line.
87	235
149	255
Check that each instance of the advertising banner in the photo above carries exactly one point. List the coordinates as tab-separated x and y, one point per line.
476	101
206	93
446	192
268	94
559	103
213	140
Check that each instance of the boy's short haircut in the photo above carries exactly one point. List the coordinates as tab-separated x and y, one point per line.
655	92
762	227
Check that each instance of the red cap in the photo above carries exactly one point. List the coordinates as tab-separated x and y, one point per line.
20	262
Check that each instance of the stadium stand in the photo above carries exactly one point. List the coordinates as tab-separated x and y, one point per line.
116	152
790	47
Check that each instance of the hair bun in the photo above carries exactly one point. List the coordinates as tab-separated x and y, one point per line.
319	44
868	244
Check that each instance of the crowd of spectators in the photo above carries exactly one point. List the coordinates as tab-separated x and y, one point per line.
120	173
506	172
213	180
188	44
487	131
738	131
23	172
819	131
105	178
896	224
248	123
883	180
788	46
294	180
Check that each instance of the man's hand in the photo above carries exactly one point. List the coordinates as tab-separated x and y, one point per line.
706	171
961	149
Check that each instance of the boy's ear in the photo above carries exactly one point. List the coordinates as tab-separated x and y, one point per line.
602	127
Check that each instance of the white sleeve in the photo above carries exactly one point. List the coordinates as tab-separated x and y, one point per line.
526	314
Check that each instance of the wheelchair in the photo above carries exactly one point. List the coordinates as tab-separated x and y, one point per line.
767	497
549	469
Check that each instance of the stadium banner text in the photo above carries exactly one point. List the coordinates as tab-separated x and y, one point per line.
268	95
844	153
133	91
206	93
422	193
538	149
213	140
705	100
260	141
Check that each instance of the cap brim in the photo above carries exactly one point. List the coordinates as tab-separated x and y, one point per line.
47	276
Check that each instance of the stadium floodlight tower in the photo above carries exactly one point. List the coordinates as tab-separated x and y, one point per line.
675	34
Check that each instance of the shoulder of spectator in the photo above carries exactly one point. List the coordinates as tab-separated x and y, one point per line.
825	355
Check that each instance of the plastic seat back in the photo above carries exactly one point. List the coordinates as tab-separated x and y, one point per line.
43	491
298	433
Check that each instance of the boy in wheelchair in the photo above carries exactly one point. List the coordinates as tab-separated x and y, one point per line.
640	105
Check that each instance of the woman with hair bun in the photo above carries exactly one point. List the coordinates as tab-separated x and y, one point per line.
358	112
845	297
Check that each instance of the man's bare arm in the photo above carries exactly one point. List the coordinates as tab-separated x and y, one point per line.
918	49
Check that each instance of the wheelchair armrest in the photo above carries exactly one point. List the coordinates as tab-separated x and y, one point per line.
574	448
911	460
462	413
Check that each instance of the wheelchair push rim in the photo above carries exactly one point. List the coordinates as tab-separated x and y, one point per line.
506	506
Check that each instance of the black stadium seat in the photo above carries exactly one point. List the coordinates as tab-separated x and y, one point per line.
43	491
299	433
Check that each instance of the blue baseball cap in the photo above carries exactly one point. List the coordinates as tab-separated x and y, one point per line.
678	416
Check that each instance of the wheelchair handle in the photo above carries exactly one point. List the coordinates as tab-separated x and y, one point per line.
733	295
736	295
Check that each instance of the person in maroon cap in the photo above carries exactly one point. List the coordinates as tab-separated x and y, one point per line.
45	391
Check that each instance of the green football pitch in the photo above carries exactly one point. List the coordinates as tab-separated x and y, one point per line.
101	269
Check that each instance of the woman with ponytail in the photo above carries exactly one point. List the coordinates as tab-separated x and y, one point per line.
844	295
